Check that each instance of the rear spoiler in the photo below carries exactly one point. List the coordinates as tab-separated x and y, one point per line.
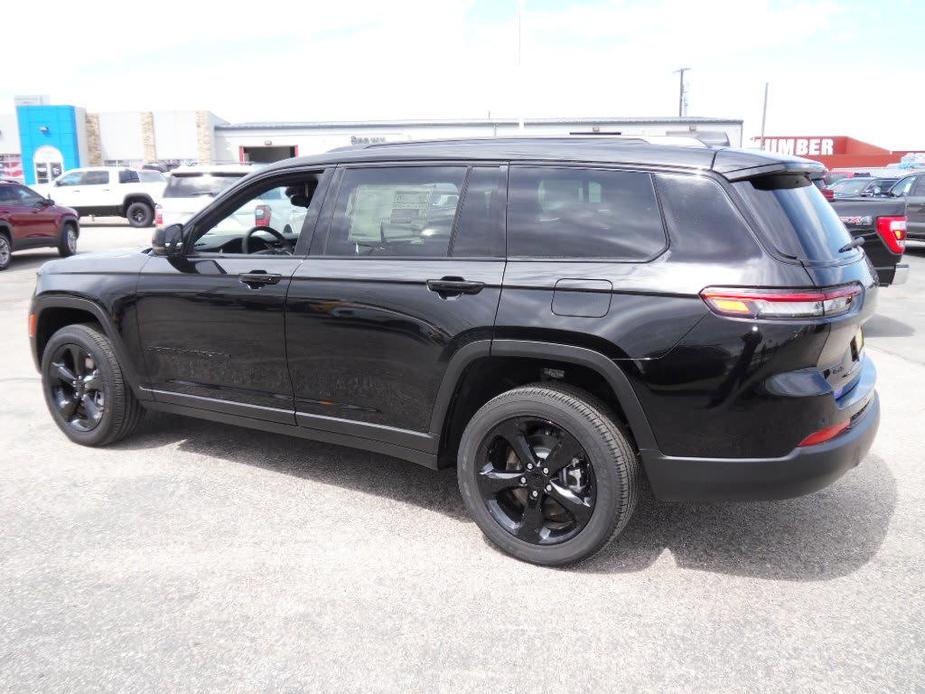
738	165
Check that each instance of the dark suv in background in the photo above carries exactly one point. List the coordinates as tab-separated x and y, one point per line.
556	317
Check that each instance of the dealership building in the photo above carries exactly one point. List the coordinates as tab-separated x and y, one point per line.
839	151
40	140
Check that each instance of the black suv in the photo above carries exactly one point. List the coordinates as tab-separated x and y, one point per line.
556	317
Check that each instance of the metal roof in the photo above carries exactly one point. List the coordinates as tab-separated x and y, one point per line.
471	122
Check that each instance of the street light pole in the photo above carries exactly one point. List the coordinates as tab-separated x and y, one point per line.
682	93
764	114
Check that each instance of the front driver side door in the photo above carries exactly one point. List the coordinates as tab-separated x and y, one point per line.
211	322
915	209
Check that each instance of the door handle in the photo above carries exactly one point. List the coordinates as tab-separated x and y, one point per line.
454	286
258	279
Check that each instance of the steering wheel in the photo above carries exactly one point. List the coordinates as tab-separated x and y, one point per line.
281	246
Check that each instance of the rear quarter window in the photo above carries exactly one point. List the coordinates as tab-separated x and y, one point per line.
795	219
559	212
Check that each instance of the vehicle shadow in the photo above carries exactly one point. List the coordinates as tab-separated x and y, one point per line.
880	325
826	535
22	262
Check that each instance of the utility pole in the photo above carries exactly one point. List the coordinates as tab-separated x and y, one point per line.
520	71
764	115
682	93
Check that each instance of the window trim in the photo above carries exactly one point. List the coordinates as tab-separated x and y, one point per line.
323	229
573	259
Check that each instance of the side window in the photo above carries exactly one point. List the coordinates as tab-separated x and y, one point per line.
395	211
901	189
583	213
70	179
267	221
94	178
128	176
27	195
918	188
479	231
8	194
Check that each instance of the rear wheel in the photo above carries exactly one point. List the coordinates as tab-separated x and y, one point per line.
67	246
139	214
547	474
85	389
6	251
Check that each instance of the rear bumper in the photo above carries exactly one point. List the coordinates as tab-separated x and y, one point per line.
802	471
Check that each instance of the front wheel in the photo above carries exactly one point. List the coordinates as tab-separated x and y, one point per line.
6	252
140	214
67	246
547	474
85	390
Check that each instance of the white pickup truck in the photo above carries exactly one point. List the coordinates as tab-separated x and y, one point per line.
109	191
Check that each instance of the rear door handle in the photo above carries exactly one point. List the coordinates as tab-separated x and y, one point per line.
454	286
258	279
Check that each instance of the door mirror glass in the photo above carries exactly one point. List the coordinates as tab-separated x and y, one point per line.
168	241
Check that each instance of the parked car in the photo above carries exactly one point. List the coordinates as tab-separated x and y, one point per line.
28	220
191	188
881	222
591	311
912	190
109	191
862	187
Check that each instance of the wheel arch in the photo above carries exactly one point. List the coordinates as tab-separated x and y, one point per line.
136	197
453	399
55	312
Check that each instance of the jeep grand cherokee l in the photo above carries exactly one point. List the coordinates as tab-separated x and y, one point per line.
555	317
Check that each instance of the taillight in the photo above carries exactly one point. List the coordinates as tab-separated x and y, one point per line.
158	215
893	232
824	435
781	303
828	194
262	216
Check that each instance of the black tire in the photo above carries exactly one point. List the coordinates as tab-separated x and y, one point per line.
120	410
607	448
6	251
67	244
139	214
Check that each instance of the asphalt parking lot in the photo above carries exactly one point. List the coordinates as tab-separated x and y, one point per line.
199	556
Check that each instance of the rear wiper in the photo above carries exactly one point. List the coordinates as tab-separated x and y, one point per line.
855	242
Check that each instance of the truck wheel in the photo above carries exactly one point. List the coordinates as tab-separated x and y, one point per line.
547	474
85	389
67	245
140	214
6	251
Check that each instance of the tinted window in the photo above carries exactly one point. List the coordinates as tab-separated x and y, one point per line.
583	213
196	184
795	218
128	176
94	178
8	194
902	188
479	229
402	211
27	195
918	189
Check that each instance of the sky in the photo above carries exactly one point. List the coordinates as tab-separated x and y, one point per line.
835	67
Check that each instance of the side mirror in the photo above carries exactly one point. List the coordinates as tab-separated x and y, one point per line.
168	241
47	202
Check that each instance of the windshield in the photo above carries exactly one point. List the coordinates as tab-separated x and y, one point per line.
196	184
796	219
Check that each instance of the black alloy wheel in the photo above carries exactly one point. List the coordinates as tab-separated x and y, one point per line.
77	387
536	480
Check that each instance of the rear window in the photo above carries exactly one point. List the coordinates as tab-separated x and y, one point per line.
194	185
795	218
583	213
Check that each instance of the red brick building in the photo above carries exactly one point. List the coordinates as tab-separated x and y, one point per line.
835	151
